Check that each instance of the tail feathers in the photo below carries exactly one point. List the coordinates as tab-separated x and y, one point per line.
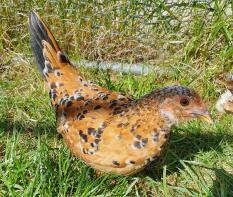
44	46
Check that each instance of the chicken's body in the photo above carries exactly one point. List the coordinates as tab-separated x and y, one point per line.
224	103
106	129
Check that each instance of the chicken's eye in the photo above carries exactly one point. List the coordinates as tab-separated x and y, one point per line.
184	101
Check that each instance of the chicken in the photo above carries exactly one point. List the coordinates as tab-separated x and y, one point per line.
225	101
108	130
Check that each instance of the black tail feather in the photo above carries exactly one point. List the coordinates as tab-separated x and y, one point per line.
38	33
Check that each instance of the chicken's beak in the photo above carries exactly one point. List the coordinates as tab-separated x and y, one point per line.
206	117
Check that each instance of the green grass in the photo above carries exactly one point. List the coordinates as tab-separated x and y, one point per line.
33	158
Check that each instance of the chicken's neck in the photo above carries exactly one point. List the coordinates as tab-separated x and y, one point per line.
148	112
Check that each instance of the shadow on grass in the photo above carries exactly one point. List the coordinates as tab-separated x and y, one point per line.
223	184
185	146
8	126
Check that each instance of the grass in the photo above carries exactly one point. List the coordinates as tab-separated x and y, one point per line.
34	159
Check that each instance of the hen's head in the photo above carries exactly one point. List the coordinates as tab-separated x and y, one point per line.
179	104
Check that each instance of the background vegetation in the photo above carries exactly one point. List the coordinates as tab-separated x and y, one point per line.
193	38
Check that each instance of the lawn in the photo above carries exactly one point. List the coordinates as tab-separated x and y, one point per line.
193	41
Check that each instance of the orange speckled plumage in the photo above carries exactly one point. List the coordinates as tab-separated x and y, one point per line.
109	131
